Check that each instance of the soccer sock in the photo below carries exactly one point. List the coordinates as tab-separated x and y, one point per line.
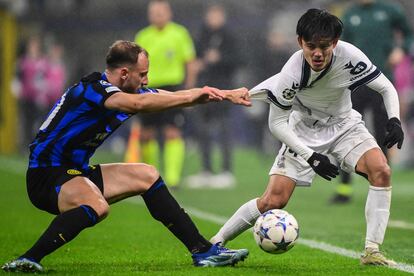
242	219
164	208
377	212
174	154
151	153
63	229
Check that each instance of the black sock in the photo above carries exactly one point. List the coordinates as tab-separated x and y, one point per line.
63	229
164	208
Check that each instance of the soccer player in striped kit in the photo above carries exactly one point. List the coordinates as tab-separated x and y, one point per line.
61	181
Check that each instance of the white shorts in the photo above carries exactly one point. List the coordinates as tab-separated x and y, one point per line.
345	140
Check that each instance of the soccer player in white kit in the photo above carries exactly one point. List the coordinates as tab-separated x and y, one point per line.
311	113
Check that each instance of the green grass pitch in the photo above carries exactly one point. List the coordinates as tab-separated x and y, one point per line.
130	242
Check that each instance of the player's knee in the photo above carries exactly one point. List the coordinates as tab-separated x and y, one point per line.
144	176
101	208
152	174
271	202
381	176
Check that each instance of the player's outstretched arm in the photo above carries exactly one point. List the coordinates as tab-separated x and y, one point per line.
153	102
238	96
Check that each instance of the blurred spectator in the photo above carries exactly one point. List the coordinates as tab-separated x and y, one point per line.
55	74
404	83
32	97
172	54
217	60
371	26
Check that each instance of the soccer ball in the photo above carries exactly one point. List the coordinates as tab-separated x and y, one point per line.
276	231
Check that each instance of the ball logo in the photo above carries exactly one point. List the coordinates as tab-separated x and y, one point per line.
73	172
288	94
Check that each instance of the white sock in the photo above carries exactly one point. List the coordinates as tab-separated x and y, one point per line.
242	219
377	212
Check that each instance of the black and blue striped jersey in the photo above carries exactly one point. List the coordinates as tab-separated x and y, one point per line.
78	124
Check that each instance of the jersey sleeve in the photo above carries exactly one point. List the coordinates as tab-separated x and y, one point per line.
97	92
147	90
279	90
358	69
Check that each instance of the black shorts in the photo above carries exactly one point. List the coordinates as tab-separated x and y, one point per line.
44	184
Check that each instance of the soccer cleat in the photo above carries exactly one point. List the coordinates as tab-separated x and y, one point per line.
375	257
22	265
218	255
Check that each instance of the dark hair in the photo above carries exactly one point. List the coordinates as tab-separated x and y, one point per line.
316	24
123	53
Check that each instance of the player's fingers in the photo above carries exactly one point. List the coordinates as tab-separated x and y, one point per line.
387	141
334	169
245	102
214	98
400	143
326	177
213	91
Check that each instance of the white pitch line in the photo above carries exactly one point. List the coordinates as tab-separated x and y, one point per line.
310	243
18	167
401	224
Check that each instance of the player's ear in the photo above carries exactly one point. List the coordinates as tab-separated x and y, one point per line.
300	41
124	73
334	42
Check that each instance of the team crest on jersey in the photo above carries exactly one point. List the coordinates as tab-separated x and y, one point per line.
357	69
73	172
288	94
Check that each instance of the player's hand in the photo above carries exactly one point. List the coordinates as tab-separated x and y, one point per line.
394	134
238	96
207	94
322	165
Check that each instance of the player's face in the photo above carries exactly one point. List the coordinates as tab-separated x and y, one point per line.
137	76
318	52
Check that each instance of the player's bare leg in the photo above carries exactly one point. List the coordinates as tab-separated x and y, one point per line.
81	205
277	194
125	180
374	165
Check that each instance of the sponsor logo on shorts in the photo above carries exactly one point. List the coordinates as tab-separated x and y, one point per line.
281	162
73	172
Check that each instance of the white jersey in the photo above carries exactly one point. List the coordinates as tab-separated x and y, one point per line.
321	98
321	95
